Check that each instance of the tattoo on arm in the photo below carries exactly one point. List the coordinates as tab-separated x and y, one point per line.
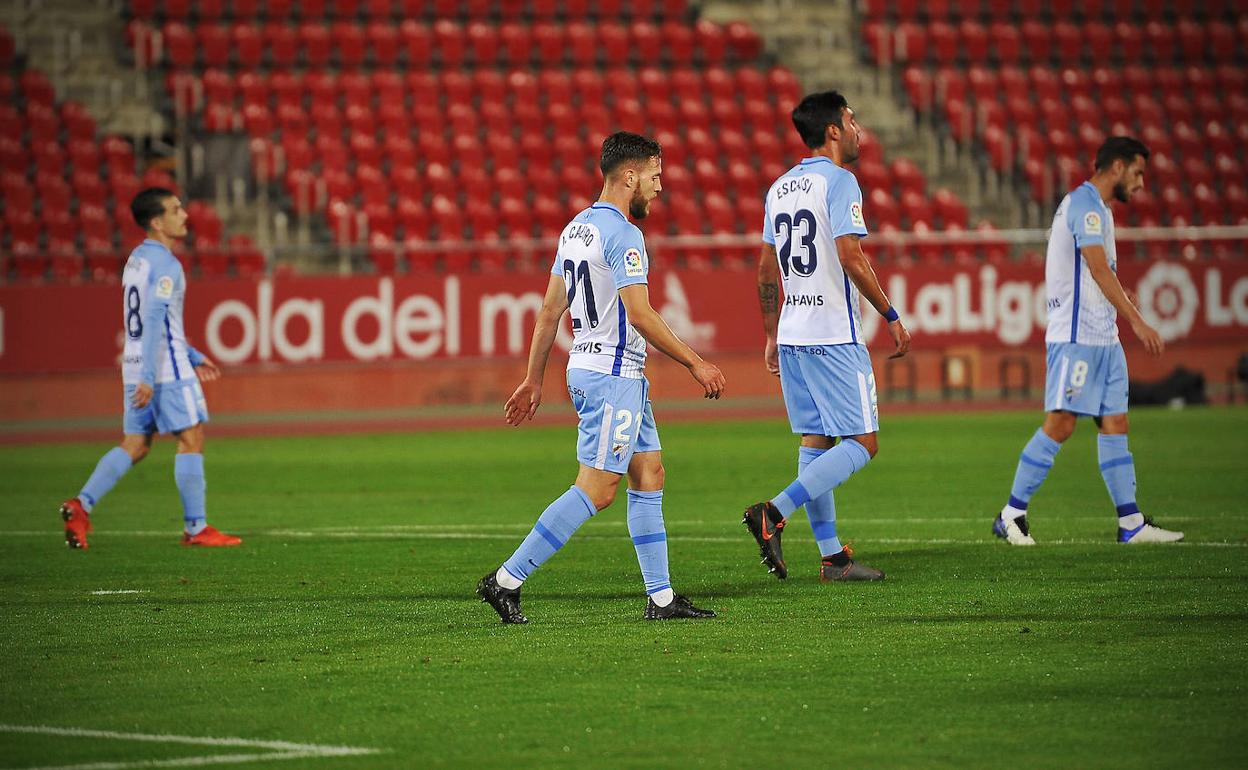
769	297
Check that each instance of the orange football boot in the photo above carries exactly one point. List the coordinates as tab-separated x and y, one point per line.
77	523
212	538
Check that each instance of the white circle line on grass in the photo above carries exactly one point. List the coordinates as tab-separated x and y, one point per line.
119	591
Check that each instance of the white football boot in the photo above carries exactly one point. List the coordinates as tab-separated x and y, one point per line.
1148	533
1013	531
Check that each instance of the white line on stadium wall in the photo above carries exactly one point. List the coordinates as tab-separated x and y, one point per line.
279	750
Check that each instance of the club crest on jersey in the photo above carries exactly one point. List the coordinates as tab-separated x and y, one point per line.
1092	223
855	215
164	287
632	263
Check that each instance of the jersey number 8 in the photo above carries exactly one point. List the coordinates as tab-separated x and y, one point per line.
134	319
805	258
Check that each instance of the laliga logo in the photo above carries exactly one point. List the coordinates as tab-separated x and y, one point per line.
1168	300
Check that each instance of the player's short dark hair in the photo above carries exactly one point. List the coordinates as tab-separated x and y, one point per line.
149	204
815	113
1123	148
624	147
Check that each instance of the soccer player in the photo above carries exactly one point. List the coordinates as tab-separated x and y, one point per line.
600	276
1087	369
160	373
812	240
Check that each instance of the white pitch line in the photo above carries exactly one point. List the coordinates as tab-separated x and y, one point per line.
103	592
370	534
194	740
279	749
207	759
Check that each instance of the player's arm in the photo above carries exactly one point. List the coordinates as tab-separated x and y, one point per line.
1111	287
524	402
650	325
859	270
203	365
769	303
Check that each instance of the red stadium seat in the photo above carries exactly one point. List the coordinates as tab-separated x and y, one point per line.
451	42
1006	43
417	44
744	42
214	44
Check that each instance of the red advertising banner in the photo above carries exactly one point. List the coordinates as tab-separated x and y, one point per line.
292	321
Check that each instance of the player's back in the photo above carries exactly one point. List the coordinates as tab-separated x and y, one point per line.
153	275
807	209
1078	310
601	252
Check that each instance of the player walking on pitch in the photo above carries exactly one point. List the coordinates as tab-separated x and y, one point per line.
160	374
1087	369
600	276
812	240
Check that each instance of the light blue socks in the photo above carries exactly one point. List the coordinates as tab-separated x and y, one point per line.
188	472
553	528
1033	467
645	527
822	474
108	471
1118	470
820	510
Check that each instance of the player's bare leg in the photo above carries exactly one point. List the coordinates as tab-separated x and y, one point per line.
189	472
75	511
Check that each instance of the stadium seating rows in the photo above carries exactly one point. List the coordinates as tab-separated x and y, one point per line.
1046	122
66	192
488	10
498	123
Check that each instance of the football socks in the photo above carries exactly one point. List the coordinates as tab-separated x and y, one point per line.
553	528
108	471
645	527
820	510
1118	470
822	475
1033	466
188	472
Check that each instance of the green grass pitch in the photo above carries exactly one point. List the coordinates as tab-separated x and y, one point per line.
348	617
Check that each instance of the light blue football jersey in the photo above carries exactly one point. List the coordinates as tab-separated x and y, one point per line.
807	209
601	252
1078	309
153	295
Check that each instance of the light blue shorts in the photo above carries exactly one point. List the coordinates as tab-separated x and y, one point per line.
616	419
1086	379
829	390
175	406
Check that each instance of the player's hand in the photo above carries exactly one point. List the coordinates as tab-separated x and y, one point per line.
709	377
1149	336
208	371
523	403
142	395
901	338
771	357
